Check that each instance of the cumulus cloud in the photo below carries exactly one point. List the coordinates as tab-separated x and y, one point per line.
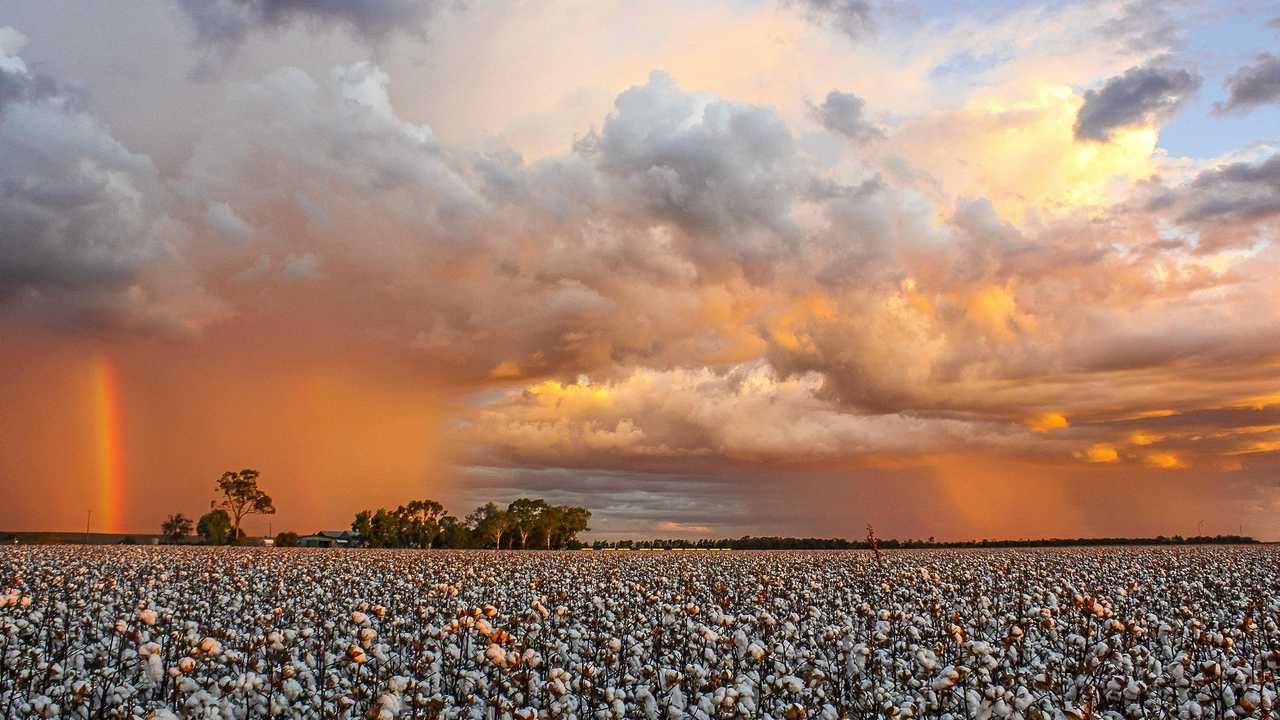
742	413
1252	85
84	222
692	232
845	113
1140	96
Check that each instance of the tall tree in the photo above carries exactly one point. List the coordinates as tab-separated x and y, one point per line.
176	527
573	520
525	517
421	522
242	497
490	522
453	533
549	523
214	527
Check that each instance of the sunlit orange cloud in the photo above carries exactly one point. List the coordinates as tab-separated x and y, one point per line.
999	148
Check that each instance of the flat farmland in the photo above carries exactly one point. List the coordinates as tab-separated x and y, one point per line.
274	633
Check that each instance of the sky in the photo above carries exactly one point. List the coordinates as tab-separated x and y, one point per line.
953	269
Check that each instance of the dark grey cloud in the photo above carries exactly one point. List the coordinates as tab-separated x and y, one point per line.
1140	95
223	25
845	113
81	216
1252	85
726	172
1238	191
854	18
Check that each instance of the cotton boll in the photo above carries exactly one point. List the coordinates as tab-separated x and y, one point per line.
496	654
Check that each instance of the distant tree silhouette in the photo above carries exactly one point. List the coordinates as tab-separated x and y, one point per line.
425	524
286	539
242	497
176	527
215	527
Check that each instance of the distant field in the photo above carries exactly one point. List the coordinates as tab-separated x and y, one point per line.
210	632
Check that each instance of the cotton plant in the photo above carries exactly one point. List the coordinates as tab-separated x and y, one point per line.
239	633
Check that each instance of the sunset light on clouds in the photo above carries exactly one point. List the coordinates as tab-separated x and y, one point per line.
708	269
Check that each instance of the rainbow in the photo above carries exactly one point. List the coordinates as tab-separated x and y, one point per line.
108	452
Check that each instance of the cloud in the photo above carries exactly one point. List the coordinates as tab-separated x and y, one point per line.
743	413
1144	26
844	113
303	266
1141	96
725	173
1241	191
222	26
670	526
1252	85
84	222
854	18
224	219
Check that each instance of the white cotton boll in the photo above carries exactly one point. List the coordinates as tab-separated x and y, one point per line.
155	669
390	704
359	618
148	616
210	646
926	659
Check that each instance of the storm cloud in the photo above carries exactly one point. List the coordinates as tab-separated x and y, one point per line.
712	296
222	26
83	220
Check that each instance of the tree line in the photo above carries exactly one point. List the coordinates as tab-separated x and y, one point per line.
526	523
796	543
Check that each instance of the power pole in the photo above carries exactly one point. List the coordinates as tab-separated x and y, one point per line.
88	516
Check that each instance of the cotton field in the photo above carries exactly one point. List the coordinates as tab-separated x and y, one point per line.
261	633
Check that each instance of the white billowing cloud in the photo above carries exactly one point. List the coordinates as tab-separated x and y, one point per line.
745	412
